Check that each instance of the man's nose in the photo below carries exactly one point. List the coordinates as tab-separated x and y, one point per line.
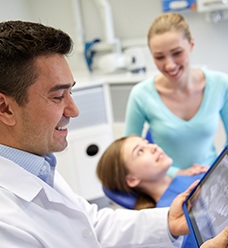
71	109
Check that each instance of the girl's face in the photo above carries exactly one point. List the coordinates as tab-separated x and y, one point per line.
144	161
171	53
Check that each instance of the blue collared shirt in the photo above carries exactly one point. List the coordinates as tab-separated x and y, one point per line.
42	167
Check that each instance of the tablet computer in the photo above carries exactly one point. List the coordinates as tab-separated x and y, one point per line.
206	208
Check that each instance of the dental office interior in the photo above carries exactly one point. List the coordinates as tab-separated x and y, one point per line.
110	56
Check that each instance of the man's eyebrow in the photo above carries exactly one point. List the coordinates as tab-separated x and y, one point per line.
61	87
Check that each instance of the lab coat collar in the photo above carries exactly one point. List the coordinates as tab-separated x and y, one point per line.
27	186
18	180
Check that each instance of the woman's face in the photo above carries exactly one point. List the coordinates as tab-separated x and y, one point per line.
144	160
171	53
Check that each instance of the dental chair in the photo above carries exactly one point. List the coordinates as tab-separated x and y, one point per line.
123	199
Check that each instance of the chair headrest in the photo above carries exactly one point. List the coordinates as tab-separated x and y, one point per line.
123	199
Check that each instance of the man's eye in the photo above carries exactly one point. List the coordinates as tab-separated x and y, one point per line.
59	98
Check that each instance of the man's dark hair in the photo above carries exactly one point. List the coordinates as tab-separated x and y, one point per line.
20	44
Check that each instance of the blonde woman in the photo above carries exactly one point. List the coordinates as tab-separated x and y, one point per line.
182	104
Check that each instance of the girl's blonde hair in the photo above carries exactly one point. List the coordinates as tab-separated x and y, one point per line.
169	22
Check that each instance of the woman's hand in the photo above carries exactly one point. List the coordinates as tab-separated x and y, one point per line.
194	170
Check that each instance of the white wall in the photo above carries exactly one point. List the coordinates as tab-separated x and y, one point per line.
13	10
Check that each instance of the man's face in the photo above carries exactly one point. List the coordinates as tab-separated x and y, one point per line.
41	125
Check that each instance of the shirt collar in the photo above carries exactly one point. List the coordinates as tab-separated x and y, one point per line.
39	166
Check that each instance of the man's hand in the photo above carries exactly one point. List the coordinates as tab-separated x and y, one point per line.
220	241
176	218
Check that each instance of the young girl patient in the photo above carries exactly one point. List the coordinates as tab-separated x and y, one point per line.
135	166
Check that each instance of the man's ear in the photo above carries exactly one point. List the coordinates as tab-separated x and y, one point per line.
6	111
132	181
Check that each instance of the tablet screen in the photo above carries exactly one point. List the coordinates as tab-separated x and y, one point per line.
209	202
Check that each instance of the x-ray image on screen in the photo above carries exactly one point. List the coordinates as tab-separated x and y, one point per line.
209	202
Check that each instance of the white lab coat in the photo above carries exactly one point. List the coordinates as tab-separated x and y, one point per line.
32	214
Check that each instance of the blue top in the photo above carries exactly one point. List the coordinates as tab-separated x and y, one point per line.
186	142
178	185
